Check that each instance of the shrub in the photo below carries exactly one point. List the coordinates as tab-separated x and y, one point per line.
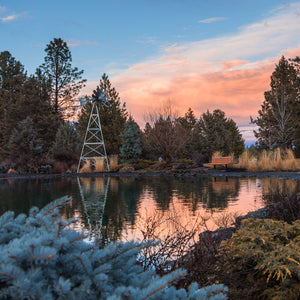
284	207
65	156
60	167
199	159
143	164
262	260
42	258
66	140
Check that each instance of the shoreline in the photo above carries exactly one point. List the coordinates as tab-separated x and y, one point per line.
167	173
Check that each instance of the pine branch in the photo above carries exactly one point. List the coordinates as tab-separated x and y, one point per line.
83	265
8	275
161	287
63	202
41	220
78	239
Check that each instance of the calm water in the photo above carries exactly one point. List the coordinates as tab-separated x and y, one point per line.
122	208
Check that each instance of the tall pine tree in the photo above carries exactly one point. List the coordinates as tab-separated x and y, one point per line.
216	132
66	81
278	114
295	62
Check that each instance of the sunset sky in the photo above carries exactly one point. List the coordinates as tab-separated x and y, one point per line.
193	53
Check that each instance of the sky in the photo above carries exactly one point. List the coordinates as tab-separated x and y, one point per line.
197	54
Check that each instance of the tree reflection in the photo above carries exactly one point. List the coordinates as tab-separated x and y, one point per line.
162	191
19	195
121	207
205	192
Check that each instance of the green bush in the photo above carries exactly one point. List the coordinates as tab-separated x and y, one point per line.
185	161
262	259
141	164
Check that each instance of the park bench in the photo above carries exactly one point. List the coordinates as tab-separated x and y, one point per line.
225	161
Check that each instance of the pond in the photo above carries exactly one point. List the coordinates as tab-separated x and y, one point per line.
126	208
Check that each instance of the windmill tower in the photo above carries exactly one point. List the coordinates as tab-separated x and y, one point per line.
93	145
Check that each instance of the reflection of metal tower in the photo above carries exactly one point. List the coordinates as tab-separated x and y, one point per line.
93	145
94	200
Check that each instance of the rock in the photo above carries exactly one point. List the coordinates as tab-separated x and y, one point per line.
126	169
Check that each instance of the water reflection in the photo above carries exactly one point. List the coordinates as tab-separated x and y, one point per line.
93	196
117	207
272	186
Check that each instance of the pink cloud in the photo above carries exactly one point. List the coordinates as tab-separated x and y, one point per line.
239	93
231	64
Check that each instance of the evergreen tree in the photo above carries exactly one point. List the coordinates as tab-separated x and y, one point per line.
66	81
24	142
218	133
278	114
131	142
295	62
184	138
21	97
35	103
66	139
113	116
12	78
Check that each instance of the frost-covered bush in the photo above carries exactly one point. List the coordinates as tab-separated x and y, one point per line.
42	258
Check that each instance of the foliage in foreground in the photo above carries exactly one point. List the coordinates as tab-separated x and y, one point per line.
262	259
42	258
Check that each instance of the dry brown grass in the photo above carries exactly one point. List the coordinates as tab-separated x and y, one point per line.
217	154
86	168
12	171
277	160
297	163
113	162
290	161
99	164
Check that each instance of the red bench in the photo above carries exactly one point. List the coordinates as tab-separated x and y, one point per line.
221	161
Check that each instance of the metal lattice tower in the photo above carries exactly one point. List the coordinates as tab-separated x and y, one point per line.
93	145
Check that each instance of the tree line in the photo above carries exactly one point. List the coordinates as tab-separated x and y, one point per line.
35	111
